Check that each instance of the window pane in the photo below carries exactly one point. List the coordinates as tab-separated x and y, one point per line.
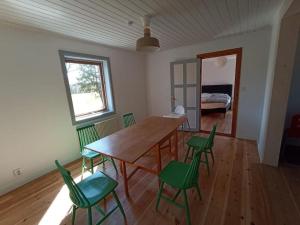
86	87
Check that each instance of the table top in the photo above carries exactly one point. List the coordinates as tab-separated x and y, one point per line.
129	144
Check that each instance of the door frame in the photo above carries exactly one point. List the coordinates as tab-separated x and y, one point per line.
238	52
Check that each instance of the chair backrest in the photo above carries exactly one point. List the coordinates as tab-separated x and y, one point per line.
128	119
87	135
76	194
211	137
179	110
193	172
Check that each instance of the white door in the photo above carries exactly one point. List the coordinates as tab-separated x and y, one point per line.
185	89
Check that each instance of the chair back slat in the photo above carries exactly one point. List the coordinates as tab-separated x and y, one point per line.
128	120
75	193
87	135
211	137
193	172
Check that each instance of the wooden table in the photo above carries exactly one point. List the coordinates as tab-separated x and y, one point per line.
130	144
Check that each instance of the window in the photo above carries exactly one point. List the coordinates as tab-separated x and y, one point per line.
88	85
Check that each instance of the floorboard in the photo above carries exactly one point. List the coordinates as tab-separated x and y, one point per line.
239	190
224	122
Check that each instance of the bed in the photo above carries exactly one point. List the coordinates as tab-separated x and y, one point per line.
216	98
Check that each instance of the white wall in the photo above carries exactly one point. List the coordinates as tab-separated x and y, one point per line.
281	62
35	120
212	74
253	77
269	85
280	89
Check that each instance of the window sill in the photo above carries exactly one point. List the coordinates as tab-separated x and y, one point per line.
94	118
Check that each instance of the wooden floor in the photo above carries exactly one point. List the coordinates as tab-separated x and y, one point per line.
238	191
224	123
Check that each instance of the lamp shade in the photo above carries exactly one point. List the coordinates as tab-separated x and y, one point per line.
147	43
220	61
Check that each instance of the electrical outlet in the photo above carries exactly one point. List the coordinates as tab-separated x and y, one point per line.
17	172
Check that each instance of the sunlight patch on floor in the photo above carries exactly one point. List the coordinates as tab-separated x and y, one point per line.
61	206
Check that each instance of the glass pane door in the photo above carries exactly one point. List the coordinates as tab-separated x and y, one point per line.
185	90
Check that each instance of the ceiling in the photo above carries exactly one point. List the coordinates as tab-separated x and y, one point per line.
175	22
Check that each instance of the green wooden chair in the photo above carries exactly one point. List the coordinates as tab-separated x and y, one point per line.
128	120
195	142
89	192
87	135
181	176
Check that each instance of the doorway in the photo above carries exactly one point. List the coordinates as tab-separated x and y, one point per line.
220	81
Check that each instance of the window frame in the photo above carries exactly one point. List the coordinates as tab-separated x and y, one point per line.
105	76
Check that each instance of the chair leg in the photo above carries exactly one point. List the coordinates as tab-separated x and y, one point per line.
103	163
206	162
121	168
90	218
82	166
176	195
159	195
187	209
187	154
119	204
92	166
188	124
73	214
114	164
198	191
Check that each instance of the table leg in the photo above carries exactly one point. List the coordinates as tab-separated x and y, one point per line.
158	163
182	133
158	160
170	146
125	178
176	145
121	168
182	128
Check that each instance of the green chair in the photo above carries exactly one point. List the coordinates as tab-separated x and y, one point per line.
181	176
87	135
128	120
89	192
195	142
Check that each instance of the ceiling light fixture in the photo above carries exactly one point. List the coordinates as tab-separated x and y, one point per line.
147	43
220	61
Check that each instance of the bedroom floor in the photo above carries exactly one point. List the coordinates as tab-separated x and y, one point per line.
224	123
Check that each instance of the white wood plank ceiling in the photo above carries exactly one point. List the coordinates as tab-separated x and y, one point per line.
175	22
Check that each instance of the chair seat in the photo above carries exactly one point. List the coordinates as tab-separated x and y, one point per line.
197	141
89	154
97	186
174	174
